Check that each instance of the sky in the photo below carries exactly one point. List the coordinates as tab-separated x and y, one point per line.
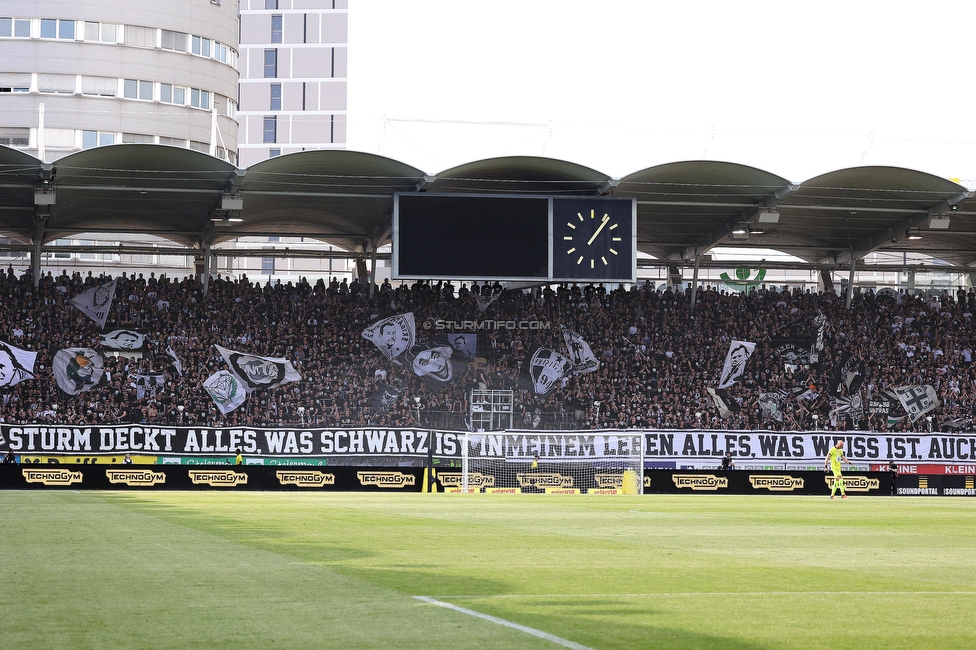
794	88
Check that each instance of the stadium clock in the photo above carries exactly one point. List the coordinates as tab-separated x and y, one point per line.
593	239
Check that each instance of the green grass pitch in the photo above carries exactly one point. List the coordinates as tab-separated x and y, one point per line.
300	570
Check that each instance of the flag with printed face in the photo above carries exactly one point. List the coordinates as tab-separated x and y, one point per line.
96	302
436	363
16	365
465	345
176	361
735	362
544	370
256	372
393	336
580	354
225	390
77	370
123	339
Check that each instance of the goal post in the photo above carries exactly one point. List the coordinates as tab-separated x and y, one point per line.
562	462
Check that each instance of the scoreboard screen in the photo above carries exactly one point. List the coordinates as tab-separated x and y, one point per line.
523	237
476	237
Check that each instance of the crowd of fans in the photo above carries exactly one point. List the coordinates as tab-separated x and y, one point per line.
657	353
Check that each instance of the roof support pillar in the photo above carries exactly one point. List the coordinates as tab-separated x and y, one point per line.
207	261
372	271
36	263
694	283
37	240
850	286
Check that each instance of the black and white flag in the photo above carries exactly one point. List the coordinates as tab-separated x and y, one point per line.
771	404
726	406
917	400
735	362
384	397
820	323
225	390
147	383
432	361
957	424
123	339
176	361
256	372
580	354
792	351
393	336
544	370
16	365
77	370
848	406
96	302
484	303
465	345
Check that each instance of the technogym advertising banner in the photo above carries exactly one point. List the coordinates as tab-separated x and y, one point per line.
663	449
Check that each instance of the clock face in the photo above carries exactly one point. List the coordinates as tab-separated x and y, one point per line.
593	239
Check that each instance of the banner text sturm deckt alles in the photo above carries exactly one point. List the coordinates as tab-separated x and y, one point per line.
659	445
182	440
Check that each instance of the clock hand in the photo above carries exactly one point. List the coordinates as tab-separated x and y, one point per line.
606	218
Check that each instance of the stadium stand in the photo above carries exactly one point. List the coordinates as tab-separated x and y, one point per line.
657	354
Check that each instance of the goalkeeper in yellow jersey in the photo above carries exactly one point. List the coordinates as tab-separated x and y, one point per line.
832	463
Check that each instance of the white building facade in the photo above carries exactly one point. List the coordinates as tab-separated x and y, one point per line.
293	77
75	75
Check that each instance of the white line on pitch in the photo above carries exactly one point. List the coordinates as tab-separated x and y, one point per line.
566	643
685	594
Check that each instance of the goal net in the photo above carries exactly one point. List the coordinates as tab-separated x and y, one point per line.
595	462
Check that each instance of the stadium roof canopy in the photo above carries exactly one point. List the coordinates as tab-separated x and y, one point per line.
345	198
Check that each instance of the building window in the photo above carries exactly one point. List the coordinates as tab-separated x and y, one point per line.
274	153
270	4
21	28
276	97
136	89
201	46
267	264
220	52
270	64
49	28
276	28
199	98
171	40
14	136
270	128
91	139
110	33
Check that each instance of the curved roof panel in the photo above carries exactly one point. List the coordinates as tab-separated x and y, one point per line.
520	175
139	188
690	205
343	197
346	198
